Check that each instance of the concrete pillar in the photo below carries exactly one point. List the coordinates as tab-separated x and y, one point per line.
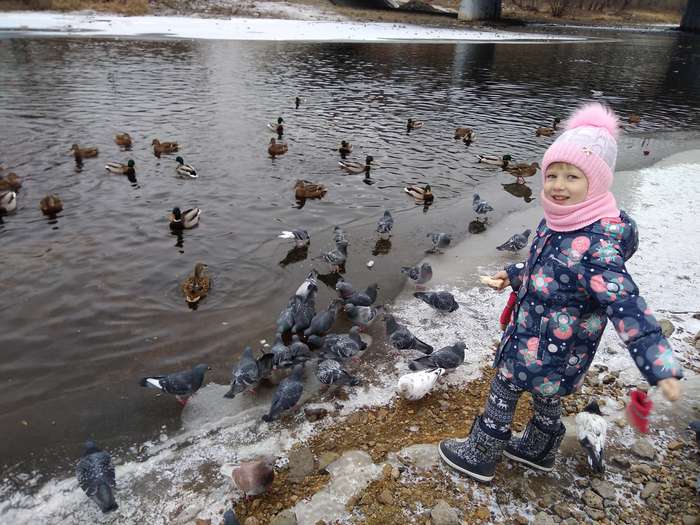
479	9
691	18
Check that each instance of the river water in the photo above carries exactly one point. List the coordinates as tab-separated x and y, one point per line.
90	299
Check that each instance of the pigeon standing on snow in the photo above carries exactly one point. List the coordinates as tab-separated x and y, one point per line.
254	477
591	428
95	474
516	242
440	241
323	321
448	357
480	206
249	372
343	346
301	237
287	395
347	294
442	301
385	224
419	274
331	372
361	316
180	384
402	339
415	386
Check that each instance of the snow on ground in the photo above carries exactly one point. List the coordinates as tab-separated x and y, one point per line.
92	24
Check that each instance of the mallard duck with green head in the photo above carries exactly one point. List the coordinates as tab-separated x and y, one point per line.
357	168
51	205
121	169
413	124
422	194
344	149
494	160
184	220
186	170
196	286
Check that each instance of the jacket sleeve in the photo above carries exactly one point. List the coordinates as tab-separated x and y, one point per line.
515	273
609	283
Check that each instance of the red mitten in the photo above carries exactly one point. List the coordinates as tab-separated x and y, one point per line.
638	410
507	312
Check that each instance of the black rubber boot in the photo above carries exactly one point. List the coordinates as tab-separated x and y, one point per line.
476	456
536	448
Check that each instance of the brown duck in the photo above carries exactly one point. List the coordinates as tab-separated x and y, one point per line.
122	139
466	134
548	132
83	153
10	182
164	147
523	170
634	118
51	205
275	149
303	189
196	286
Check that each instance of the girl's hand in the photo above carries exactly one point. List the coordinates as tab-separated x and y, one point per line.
500	276
671	388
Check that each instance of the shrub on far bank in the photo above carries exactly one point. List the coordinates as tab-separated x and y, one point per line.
124	7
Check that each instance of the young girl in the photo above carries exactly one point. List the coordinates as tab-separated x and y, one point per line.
573	281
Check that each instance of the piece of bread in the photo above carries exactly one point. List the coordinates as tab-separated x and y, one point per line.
497	284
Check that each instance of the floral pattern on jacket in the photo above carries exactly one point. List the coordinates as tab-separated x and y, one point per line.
568	288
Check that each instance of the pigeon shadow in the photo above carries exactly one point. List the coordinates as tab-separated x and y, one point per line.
382	247
521	191
296	254
477	226
330	279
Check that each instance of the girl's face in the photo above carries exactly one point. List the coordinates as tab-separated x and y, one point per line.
565	184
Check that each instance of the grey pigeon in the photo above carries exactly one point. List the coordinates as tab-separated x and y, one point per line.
287	395
301	237
304	311
315	341
95	474
695	427
402	339
361	316
249	372
419	274
349	295
442	301
230	518
336	258
285	321
310	285
331	372
516	242
440	241
385	224
480	206
180	384
339	235
343	346
299	350
281	352
254	477
448	357
323	321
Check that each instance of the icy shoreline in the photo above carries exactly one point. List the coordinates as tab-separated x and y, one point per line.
92	24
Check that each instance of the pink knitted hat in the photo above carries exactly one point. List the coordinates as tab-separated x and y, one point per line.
589	144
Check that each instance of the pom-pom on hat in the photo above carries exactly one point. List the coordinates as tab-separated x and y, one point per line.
590	144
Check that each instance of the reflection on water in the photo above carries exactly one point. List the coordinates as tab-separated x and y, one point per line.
99	301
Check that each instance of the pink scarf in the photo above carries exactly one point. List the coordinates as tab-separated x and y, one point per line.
569	218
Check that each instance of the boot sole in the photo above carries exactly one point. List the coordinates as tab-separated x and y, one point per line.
478	477
526	462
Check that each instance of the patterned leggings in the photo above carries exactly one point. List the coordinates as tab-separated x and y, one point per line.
500	408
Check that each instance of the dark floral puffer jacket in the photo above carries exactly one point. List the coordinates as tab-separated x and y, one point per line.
571	284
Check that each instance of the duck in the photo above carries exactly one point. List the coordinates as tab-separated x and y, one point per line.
277	128
634	118
523	170
185	170
356	168
164	147
83	153
275	148
184	220
344	149
466	134
413	124
122	139
196	286
304	189
421	194
548	132
10	182
8	202
121	169
495	160
51	204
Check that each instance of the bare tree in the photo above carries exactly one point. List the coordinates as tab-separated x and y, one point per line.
556	7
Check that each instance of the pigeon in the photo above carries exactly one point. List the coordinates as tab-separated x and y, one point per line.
481	207
300	351
254	477
385	224
315	341
230	518
448	357
95	474
181	384
695	427
347	294
361	316
301	237
303	311
416	385
442	301
282	355
331	372
287	395
402	339
323	321
591	428
336	258
440	241
249	372
419	274
285	321
339	235
516	242
343	346
309	285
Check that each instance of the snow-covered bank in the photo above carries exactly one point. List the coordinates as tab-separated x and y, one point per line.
91	24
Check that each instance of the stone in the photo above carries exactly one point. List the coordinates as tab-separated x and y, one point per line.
609	379
301	464
595	514
201	521
326	459
542	518
591	499
385	497
395	473
521	520
667	327
251	520
675	445
314	414
642	468
643	449
483	513
687	519
562	510
603	488
443	514
650	489
286	517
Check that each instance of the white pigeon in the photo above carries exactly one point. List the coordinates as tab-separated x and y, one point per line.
416	385
307	286
591	428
